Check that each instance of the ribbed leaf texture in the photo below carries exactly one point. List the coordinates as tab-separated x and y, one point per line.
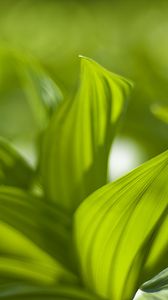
78	139
121	231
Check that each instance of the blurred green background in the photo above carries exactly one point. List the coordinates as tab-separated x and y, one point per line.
127	37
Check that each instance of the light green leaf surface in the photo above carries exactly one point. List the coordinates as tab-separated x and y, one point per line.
121	231
34	238
14	170
22	291
155	289
78	140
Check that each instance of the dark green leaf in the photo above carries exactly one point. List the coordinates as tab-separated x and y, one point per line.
155	289
15	292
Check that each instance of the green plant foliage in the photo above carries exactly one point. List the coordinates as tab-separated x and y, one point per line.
78	139
117	238
121	231
10	161
129	37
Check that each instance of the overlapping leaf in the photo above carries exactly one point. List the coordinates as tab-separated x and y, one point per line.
155	289
22	291
34	238
121	231
14	170
22	259
77	142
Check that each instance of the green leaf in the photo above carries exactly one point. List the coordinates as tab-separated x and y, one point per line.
78	140
155	289
21	259
42	93
121	231
14	170
157	283
34	238
28	96
22	291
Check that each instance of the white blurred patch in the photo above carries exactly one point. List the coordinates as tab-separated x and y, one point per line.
125	155
138	295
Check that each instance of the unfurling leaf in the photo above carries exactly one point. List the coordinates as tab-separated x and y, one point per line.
121	231
78	139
